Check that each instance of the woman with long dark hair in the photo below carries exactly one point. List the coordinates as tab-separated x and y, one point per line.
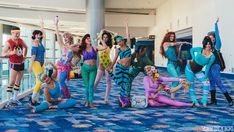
204	57
37	61
104	61
89	68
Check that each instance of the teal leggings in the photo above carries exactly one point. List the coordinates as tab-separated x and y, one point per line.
88	73
201	78
174	70
67	104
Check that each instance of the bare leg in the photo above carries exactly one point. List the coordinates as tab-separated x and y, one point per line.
99	76
108	87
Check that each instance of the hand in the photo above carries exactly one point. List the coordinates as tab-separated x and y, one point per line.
13	52
56	20
41	18
24	58
217	20
30	69
126	21
47	63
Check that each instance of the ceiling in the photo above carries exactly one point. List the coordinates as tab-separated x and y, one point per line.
72	13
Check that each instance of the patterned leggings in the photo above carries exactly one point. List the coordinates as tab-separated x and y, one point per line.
201	78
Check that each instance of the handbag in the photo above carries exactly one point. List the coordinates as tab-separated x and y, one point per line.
139	102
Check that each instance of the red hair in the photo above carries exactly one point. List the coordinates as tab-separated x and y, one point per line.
167	39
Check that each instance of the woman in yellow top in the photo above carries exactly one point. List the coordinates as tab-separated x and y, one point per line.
105	61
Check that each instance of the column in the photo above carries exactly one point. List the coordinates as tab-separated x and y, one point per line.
95	17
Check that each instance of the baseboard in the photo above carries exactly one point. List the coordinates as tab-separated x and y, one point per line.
226	75
20	96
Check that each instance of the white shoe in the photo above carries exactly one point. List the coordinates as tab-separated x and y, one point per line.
16	102
9	104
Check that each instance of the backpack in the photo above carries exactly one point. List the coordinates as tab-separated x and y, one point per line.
220	59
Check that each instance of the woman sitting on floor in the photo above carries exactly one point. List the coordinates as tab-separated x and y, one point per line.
153	84
52	93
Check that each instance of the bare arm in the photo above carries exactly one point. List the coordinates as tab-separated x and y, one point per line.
6	50
115	58
128	36
47	95
59	38
42	26
25	50
142	53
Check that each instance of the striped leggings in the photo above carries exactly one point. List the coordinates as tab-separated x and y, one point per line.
121	78
201	78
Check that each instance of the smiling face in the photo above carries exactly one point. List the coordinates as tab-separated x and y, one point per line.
172	37
88	41
212	38
105	38
38	36
15	34
46	79
120	43
68	38
208	46
152	72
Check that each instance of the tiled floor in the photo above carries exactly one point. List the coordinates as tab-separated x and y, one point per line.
112	117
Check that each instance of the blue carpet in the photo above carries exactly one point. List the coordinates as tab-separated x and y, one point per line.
113	118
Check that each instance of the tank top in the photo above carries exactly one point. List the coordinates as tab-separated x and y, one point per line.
18	57
104	56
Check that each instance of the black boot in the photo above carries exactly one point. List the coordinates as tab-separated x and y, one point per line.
229	99
213	100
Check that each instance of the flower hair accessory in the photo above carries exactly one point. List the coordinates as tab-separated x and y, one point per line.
152	71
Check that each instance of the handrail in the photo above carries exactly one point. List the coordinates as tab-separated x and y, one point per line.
27	82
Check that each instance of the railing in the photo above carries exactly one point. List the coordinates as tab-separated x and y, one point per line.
27	82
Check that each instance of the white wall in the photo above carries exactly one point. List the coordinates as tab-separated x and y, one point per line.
175	15
134	31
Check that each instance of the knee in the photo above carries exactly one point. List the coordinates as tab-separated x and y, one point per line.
206	83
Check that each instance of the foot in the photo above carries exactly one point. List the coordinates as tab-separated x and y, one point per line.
16	102
204	105
124	101
230	103
30	107
86	104
195	105
106	102
91	104
35	103
213	102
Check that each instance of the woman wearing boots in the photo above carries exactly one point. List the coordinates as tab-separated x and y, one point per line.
214	76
